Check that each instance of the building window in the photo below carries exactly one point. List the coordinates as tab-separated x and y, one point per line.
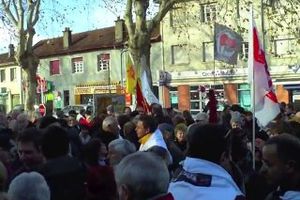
208	12
244	95
200	99
178	17
54	67
180	54
103	62
2	75
244	51
208	51
174	97
13	74
77	65
285	46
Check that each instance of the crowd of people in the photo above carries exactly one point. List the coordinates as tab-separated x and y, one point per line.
160	155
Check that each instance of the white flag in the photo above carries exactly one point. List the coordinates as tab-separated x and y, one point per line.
266	106
146	90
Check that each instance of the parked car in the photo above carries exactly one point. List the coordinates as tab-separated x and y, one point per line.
77	108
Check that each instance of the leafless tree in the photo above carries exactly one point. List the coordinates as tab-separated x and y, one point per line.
23	15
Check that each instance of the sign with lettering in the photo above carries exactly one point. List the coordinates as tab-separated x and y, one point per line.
295	68
219	73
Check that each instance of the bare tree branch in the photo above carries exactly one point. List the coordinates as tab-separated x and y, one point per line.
141	7
128	18
30	10
8	12
15	8
36	12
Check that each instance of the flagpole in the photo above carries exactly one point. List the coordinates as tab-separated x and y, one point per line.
252	87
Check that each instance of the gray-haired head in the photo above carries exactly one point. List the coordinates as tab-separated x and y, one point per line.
29	186
118	149
110	124
142	175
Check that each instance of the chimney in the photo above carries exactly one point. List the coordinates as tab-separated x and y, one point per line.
67	38
119	30
11	50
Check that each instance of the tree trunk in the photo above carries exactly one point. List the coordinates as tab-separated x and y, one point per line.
140	52
30	64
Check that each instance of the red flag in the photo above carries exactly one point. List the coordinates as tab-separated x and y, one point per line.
140	99
265	105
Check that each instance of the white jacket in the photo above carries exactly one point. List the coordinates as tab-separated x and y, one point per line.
201	179
291	195
156	139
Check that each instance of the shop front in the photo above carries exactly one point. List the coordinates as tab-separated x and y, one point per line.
100	96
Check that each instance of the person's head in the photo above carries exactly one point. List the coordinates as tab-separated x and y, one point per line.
135	176
156	109
110	124
21	123
110	110
46	121
140	110
55	142
180	132
123	119
206	142
82	111
188	117
167	131
91	151
88	113
145	125
72	120
161	152
236	120
29	149
29	186
177	119
118	149
127	111
281	160
201	118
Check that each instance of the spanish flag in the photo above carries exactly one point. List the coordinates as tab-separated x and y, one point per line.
131	78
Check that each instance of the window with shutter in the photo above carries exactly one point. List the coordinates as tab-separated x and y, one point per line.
54	67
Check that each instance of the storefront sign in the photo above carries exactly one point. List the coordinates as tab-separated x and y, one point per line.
295	68
100	89
219	73
233	72
83	90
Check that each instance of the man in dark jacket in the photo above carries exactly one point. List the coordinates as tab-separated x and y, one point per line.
65	175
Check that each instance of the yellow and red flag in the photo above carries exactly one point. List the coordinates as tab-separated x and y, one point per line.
131	76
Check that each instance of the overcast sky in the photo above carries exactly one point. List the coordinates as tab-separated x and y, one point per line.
79	15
